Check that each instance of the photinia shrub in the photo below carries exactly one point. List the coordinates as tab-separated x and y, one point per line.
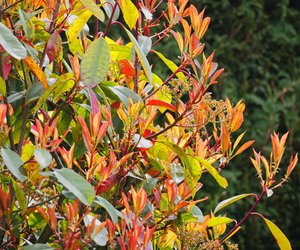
97	150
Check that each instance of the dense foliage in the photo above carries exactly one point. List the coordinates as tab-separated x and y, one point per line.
103	147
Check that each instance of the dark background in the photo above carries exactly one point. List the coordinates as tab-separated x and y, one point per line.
258	44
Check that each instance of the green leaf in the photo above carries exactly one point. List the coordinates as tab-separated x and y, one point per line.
76	184
13	161
187	217
177	173
124	94
11	44
141	55
171	65
218	221
95	62
145	43
34	92
64	83
43	157
196	211
130	13
99	237
114	213
229	201
192	168
221	180
279	236
20	195
92	6
109	7
38	247
2	87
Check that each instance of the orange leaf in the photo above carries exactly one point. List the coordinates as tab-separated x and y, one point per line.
126	68
162	104
37	71
244	147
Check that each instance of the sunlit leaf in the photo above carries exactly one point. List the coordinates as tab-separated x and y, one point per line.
141	55
130	13
221	180
229	201
11	44
99	237
279	236
37	71
13	161
162	104
171	65
214	221
77	25
95	62
20	195
92	6
76	184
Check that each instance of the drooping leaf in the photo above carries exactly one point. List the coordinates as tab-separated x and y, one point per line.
220	179
218	221
114	213
279	236
11	44
20	195
43	157
76	184
37	247
229	201
37	71
130	13
92	6
162	104
13	161
171	65
95	62
33	92
141	55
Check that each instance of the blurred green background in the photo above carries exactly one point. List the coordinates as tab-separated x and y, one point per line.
258	44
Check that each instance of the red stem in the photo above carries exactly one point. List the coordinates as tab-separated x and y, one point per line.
250	211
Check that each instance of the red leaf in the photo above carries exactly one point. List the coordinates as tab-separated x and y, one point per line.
161	104
126	68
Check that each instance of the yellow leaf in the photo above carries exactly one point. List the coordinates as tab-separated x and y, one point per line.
244	147
218	221
279	236
77	25
92	6
37	71
130	13
221	180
